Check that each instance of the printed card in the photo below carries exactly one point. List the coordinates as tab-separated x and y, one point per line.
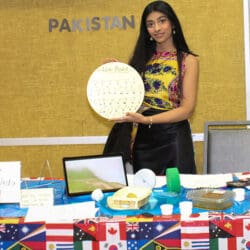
10	181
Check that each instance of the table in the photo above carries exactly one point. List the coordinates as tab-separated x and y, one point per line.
202	230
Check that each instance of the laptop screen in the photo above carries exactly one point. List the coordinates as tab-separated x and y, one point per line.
84	174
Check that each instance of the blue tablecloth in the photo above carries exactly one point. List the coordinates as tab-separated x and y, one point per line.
151	208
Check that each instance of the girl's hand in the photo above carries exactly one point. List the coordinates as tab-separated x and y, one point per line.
132	117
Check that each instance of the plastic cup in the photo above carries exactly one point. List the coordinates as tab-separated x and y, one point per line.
239	194
97	195
186	207
166	209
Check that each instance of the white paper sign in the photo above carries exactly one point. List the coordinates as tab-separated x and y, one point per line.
37	197
62	213
10	181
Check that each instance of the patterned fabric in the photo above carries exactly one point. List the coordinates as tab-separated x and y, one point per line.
161	81
208	230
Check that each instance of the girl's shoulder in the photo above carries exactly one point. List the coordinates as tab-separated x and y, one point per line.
191	59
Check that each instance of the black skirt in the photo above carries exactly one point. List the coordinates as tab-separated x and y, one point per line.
163	146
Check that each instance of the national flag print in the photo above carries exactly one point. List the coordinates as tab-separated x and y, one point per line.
219	216
246	228
167	234
195	234
85	236
112	235
111	231
133	245
132	230
238	239
152	245
29	236
166	230
32	231
223	243
223	216
2	228
59	246
154	235
19	245
10	233
217	232
59	236
226	228
146	230
86	245
194	229
121	245
132	226
136	240
85	232
195	244
243	243
32	235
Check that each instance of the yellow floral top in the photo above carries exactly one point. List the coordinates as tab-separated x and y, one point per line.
161	81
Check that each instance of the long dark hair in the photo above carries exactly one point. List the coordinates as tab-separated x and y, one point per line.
145	48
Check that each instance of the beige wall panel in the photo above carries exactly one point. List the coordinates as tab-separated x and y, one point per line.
33	158
44	74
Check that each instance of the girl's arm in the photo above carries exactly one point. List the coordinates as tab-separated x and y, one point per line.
188	102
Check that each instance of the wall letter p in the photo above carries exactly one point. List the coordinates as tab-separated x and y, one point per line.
53	23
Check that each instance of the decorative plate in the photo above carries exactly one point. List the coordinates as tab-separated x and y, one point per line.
115	88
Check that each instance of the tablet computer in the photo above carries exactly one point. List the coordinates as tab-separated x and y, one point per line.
84	174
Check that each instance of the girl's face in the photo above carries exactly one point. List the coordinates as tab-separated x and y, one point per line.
159	28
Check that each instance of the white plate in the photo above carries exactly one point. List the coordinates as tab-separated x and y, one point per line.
115	88
145	177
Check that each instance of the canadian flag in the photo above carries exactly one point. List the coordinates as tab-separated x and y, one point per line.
112	235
